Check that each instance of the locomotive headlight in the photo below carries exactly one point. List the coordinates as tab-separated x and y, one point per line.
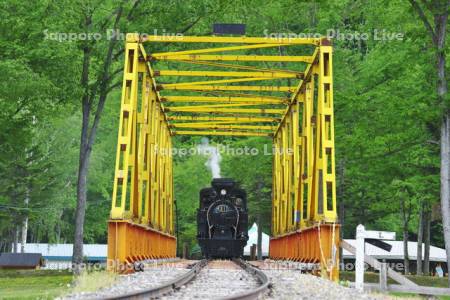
223	192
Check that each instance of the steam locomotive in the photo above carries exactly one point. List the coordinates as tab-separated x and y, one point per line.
222	219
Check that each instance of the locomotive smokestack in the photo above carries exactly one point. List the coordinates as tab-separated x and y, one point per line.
214	157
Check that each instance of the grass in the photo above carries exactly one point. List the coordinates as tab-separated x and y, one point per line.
33	284
371	277
93	281
48	284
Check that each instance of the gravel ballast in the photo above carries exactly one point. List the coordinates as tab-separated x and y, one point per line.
216	284
292	284
150	277
224	278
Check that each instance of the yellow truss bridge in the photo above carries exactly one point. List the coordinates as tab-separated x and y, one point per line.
227	86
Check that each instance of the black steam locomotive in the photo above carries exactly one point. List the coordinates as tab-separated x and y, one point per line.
222	220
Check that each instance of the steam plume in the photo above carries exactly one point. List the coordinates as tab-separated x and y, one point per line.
214	157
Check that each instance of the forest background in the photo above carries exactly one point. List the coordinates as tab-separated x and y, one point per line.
388	111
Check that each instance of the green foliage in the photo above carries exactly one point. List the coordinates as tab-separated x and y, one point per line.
190	175
386	116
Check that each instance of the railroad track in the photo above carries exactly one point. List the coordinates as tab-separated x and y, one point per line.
262	278
176	284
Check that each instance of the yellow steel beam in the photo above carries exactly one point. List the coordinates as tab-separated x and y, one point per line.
325	164
244	100
222	105
149	70
221	126
268	74
215	122
236	119
224	133
212	50
125	154
197	123
134	37
276	188
220	81
225	110
142	157
238	67
276	58
266	88
295	142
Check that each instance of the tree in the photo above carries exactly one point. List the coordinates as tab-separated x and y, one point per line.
101	86
405	191
33	89
439	9
387	126
97	64
24	103
420	239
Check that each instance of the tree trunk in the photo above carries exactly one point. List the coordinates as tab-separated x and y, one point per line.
405	214
88	136
340	198
426	238
16	238
9	247
77	256
420	239
259	188
405	248
24	230
445	163
23	237
445	184
58	228
438	33
58	233
80	212
259	243
440	21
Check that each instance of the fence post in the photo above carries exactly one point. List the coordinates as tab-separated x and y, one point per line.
253	252
383	276
185	251
359	258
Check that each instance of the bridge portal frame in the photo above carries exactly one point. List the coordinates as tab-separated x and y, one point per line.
301	126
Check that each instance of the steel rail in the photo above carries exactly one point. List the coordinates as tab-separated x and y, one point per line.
155	292
158	291
256	292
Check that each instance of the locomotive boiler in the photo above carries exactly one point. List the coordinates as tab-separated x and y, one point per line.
222	219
